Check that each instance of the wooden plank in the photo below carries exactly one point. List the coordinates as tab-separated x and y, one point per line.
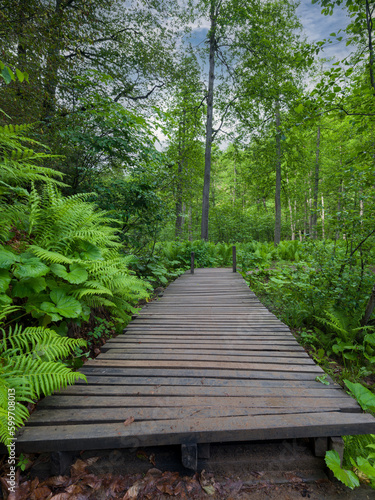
194	381
207	430
161	364
185	358
200	373
200	391
229	349
210	354
102	401
105	415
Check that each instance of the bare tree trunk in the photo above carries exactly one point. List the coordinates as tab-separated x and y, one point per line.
234	185
323	219
209	131
292	228
190	223
277	235
52	63
181	159
316	189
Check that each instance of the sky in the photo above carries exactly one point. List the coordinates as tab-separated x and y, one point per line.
317	27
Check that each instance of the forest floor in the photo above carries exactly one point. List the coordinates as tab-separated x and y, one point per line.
284	470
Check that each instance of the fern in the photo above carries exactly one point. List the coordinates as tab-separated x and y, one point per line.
30	366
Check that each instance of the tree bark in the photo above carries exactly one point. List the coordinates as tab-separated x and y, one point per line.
209	130
316	189
277	235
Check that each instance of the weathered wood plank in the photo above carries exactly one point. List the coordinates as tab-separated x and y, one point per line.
103	401
200	373
210	391
118	354
199	381
106	415
162	432
147	363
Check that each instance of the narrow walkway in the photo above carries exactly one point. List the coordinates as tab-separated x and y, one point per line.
205	363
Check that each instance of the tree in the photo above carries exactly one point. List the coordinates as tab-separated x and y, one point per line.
269	73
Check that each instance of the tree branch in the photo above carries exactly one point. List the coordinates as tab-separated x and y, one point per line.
137	98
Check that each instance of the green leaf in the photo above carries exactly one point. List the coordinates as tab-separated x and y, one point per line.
27	286
365	467
30	267
370	338
7	258
4	280
7	74
77	274
20	75
365	398
65	305
347	477
322	379
90	251
299	108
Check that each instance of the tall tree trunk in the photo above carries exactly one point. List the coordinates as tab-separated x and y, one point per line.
292	225
277	235
323	220
190	223
181	160
234	183
209	131
316	188
52	63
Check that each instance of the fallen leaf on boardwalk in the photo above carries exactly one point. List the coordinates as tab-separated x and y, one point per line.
129	421
61	496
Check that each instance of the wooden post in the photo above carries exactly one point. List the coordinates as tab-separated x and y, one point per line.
192	263
234	259
189	455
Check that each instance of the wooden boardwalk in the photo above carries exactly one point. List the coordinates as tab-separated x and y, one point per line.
205	363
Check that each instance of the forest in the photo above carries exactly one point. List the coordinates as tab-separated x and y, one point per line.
126	145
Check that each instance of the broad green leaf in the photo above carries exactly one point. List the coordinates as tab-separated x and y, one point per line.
65	305
30	267
347	477
90	251
365	467
20	75
59	270
365	398
5	299
7	258
27	286
4	280
7	74
77	274
299	108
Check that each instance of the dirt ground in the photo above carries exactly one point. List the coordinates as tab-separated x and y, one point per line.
283	470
